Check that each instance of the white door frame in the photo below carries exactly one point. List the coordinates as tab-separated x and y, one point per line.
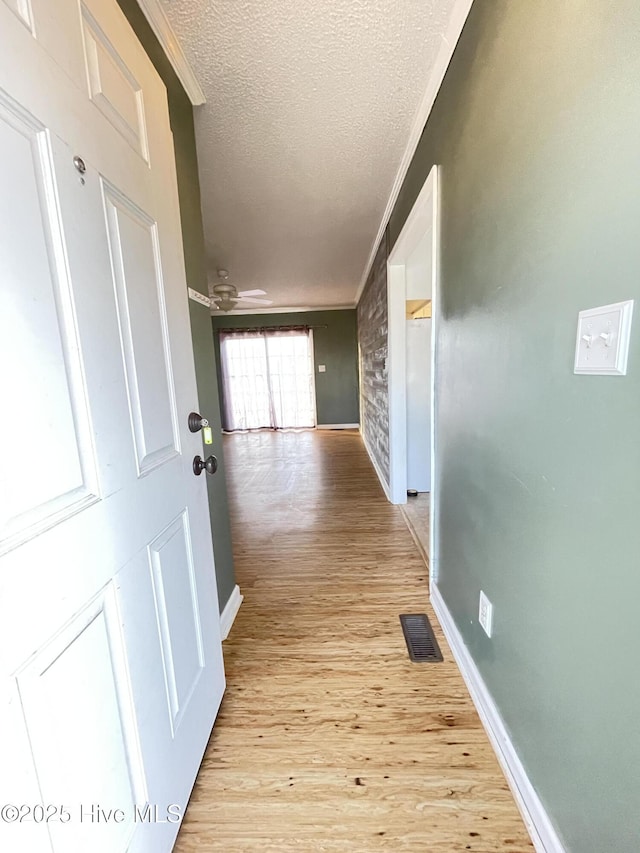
312	356
424	216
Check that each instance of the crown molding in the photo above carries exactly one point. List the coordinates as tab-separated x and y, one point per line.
284	310
459	15
200	298
157	17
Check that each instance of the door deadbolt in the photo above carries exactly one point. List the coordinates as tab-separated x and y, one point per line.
197	422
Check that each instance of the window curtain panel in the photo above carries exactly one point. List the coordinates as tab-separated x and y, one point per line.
267	379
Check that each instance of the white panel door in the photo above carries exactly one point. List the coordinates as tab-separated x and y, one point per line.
110	653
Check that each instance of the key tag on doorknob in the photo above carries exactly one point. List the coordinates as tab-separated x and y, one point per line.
197	422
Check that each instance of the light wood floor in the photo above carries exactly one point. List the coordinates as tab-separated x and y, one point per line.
328	738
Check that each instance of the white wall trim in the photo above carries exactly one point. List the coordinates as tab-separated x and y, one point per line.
459	15
228	615
198	297
543	834
376	467
434	497
414	535
284	310
397	380
312	369
157	17
421	222
338	426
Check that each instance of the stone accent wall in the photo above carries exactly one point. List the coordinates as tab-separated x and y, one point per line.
372	347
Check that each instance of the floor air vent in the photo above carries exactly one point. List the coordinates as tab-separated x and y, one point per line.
421	643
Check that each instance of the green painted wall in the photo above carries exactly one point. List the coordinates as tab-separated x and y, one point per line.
181	114
335	346
537	130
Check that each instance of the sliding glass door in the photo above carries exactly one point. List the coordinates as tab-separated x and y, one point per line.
268	379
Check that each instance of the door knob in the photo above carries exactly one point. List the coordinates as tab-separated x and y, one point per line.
210	465
196	422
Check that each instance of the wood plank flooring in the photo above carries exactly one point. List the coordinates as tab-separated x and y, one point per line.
329	738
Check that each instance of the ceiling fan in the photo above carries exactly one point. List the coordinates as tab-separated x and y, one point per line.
225	296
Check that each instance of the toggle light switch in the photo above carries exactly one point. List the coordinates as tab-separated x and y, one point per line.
602	342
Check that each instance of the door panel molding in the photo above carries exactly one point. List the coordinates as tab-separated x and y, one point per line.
143	321
112	86
70	481
175	591
22	10
75	690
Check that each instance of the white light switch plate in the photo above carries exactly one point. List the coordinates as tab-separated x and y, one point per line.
322	368
602	342
485	614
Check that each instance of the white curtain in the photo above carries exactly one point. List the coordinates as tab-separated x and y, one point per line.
267	379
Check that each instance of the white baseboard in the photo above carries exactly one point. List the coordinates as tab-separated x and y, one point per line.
543	835
414	534
337	426
376	468
228	615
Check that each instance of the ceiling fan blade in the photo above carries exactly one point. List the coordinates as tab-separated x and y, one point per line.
253	300
252	293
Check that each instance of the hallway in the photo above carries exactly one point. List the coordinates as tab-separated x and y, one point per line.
328	738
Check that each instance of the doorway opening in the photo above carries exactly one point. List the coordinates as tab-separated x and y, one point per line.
268	379
412	293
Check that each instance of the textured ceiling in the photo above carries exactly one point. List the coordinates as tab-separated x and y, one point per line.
309	108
